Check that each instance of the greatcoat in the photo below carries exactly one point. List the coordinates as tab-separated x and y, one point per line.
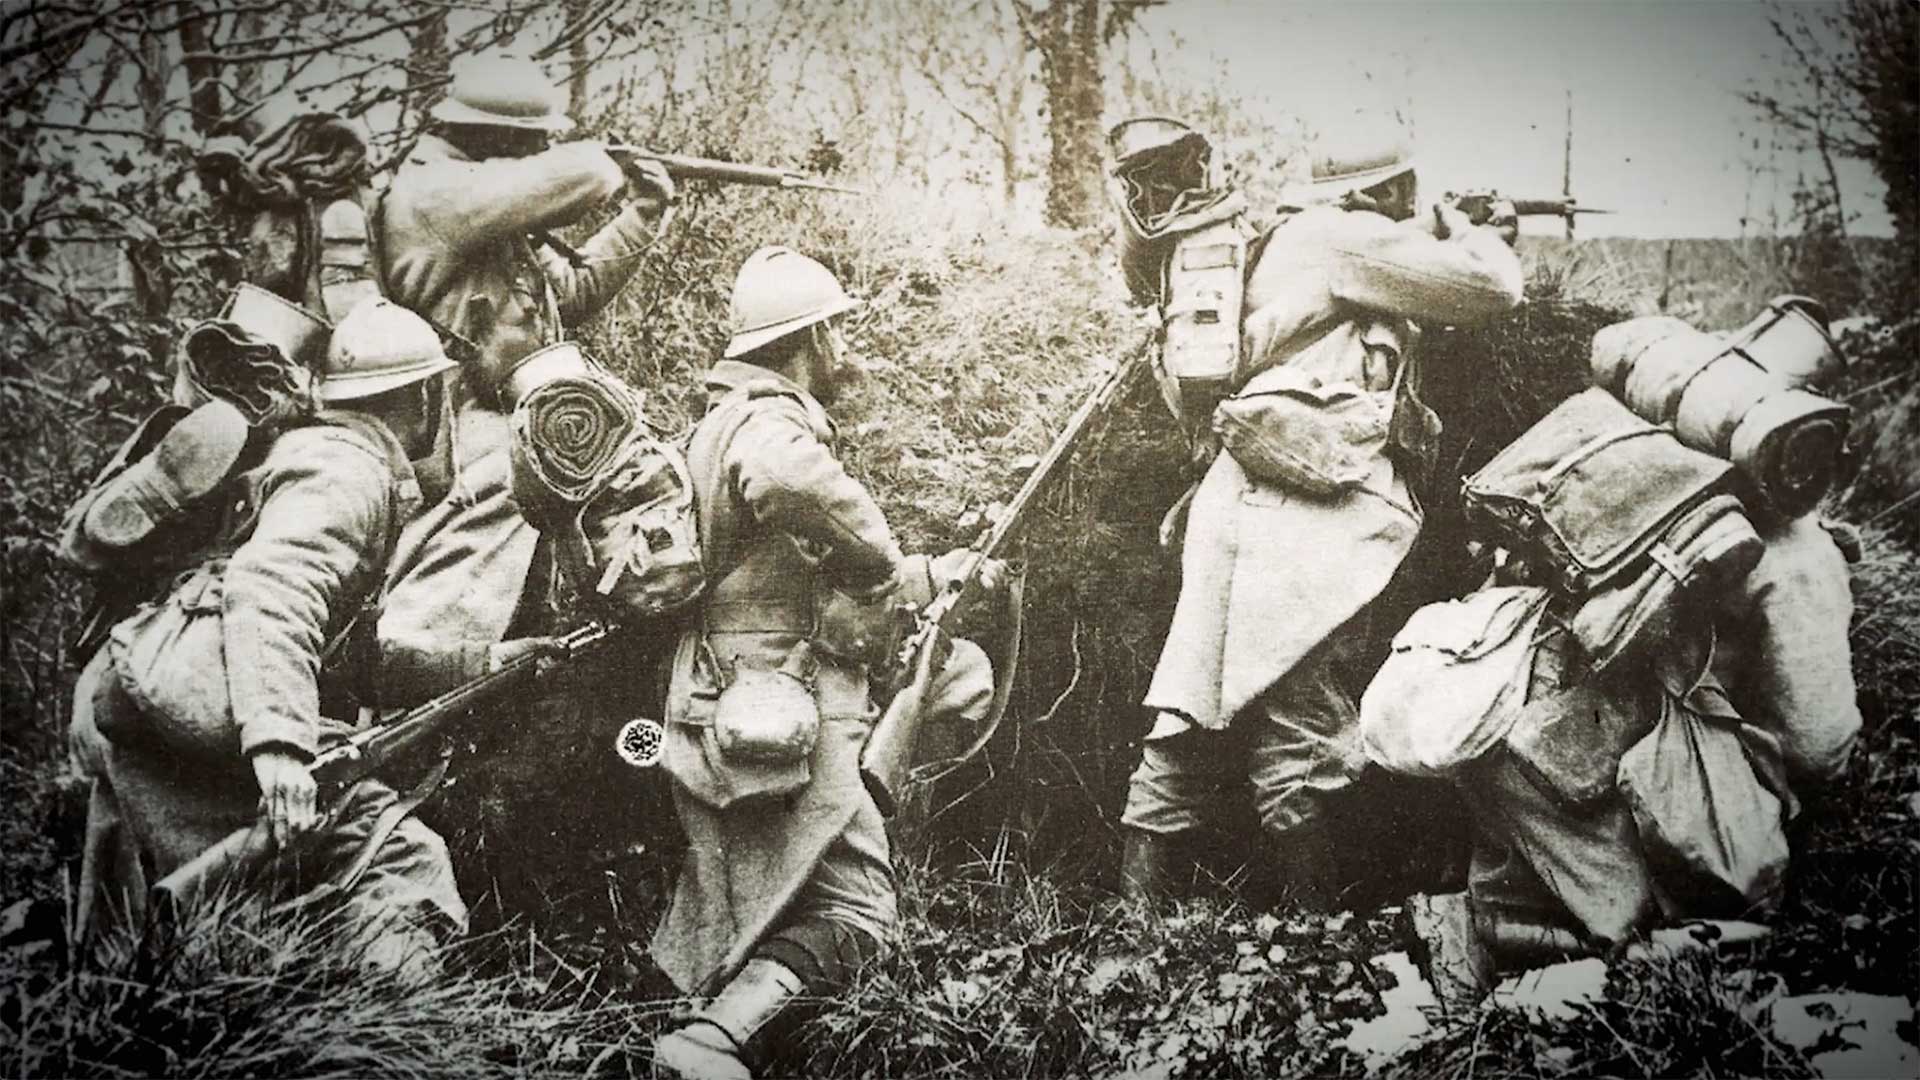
245	673
1268	573
794	528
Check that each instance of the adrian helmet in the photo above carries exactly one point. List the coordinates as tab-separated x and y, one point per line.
1352	155
380	346
496	89
777	292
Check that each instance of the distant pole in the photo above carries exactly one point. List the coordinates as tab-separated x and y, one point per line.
1566	165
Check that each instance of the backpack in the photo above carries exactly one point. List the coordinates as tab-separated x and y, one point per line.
1183	248
1627	522
167	654
581	455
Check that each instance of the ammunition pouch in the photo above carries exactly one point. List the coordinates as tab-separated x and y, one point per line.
769	716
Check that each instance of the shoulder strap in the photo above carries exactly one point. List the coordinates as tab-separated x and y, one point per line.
706	465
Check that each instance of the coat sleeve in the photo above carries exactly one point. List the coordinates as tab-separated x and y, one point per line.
611	256
790	481
323	514
472	204
462	570
1382	265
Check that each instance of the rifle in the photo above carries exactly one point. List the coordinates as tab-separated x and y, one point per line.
886	761
683	167
1478	206
246	850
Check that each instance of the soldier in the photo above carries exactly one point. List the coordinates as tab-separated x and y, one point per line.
787	884
460	236
205	707
1283	558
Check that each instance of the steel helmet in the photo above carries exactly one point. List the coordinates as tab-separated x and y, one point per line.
777	292
380	346
1352	155
497	89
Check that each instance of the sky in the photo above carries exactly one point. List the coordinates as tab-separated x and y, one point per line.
1661	136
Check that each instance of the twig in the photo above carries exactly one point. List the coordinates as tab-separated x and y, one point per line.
49	393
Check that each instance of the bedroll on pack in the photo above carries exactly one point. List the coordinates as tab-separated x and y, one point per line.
1741	398
1183	248
1627	521
587	471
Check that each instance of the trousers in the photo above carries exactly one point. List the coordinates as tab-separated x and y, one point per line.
1298	744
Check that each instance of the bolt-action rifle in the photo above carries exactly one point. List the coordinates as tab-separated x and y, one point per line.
886	761
246	850
1479	205
683	167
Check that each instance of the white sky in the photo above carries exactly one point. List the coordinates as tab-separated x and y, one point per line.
1660	135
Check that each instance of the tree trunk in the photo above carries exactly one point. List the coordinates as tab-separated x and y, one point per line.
248	78
152	284
1069	40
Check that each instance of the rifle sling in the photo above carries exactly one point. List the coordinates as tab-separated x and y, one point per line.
383	827
1009	662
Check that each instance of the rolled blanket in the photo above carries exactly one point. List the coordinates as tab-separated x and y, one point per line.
1721	399
568	434
221	360
313	155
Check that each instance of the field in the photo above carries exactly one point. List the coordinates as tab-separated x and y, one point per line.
1013	957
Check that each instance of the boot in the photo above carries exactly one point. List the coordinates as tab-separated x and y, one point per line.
1146	867
726	1039
1303	868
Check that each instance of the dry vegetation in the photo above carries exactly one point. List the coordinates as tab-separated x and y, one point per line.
975	344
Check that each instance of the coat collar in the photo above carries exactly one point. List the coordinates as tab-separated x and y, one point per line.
727	376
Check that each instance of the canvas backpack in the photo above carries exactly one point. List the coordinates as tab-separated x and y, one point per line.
166	653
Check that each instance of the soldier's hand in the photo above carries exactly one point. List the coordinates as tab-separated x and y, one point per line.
1450	221
649	185
287	794
502	653
948	569
1502	218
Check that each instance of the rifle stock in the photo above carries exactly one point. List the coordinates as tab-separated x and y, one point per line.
886	761
243	852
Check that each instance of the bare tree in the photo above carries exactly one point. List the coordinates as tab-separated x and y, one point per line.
1070	37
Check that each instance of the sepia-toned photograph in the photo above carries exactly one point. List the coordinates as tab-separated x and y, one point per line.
728	539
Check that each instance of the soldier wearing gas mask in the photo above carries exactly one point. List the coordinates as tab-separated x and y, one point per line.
787	884
1297	528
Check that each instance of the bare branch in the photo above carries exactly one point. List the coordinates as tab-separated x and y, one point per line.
309	50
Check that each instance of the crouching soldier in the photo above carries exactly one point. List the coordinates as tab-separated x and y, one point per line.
787	884
204	707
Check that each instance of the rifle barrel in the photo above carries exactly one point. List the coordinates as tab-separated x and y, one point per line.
688	167
1062	446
